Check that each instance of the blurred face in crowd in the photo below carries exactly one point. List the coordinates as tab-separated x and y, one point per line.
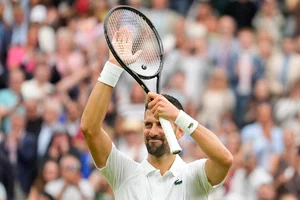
246	39
218	79
2	7
249	161
32	38
42	73
265	48
266	192
264	113
288	46
269	7
50	171
16	78
159	4
204	10
261	90
137	94
177	81
73	111
18	15
226	26
18	122
31	106
70	168
233	143
50	113
35	2
64	41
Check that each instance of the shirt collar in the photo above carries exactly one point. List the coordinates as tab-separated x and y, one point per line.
175	168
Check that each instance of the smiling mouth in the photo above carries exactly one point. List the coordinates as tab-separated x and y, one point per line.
154	140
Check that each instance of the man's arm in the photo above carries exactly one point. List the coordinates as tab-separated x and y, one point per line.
219	158
97	139
94	113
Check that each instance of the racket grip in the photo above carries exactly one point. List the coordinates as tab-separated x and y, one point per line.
170	135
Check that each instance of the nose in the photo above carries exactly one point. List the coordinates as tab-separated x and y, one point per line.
154	131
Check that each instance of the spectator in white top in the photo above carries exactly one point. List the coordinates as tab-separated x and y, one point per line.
39	87
71	185
162	175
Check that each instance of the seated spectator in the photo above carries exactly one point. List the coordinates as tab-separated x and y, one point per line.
39	87
60	144
48	172
217	100
10	99
24	56
70	185
51	114
265	136
247	180
131	141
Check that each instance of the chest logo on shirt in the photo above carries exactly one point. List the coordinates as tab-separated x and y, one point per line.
177	182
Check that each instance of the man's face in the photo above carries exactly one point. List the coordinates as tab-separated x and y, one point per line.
154	136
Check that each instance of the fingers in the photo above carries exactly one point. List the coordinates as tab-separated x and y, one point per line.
137	55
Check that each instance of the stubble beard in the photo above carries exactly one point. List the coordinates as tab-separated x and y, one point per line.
157	149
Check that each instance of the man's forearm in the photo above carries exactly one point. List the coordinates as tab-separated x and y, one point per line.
212	146
96	108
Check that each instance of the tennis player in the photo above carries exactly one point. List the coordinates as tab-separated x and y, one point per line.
162	175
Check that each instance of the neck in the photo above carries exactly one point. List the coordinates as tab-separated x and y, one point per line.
163	163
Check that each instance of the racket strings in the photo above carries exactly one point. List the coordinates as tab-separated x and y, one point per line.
143	38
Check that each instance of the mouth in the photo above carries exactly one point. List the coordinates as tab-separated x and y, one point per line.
154	140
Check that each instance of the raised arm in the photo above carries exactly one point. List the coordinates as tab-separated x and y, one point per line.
98	141
219	158
94	113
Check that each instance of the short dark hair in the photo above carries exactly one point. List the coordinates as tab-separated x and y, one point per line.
172	99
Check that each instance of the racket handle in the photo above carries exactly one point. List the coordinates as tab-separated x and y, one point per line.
170	135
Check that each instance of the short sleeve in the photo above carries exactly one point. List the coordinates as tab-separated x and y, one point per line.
118	168
197	174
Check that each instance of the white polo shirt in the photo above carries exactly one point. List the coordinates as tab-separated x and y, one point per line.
141	181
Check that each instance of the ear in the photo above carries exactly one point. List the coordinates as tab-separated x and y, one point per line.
179	133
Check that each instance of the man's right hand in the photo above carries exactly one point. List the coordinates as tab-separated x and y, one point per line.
122	43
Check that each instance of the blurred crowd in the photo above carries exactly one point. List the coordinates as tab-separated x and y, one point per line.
234	64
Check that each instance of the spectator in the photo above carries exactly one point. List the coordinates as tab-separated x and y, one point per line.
48	172
283	69
71	185
39	87
11	99
265	137
270	18
217	100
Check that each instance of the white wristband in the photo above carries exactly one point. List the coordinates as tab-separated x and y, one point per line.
187	123
110	74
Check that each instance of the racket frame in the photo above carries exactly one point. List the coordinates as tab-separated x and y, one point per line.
166	125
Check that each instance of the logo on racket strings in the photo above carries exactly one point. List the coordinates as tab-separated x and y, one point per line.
144	67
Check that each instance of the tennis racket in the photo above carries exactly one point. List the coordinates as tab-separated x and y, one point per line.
136	45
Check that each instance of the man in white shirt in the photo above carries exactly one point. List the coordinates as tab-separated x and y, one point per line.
162	175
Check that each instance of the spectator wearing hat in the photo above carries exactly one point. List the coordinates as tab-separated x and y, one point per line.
131	142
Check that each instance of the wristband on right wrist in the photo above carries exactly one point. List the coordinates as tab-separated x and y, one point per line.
187	123
110	74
